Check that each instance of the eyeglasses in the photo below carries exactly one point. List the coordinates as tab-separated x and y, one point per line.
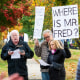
46	37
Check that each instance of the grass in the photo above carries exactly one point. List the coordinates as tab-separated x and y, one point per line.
3	65
70	64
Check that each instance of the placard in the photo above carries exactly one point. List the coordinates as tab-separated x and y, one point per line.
25	37
65	22
39	18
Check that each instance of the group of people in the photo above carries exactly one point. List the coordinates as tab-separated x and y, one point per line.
54	53
51	51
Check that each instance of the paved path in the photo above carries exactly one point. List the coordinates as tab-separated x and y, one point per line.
33	70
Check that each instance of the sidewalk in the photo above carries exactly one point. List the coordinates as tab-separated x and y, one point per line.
33	70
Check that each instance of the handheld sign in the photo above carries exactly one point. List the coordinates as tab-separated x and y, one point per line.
65	22
39	18
25	37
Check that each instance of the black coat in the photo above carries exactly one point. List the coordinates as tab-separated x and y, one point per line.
17	65
56	69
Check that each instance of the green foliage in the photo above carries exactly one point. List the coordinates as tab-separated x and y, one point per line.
61	2
48	18
28	25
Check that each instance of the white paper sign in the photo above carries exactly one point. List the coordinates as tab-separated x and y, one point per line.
43	63
25	37
16	54
39	18
65	22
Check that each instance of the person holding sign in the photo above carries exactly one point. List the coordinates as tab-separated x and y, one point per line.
42	51
16	52
56	57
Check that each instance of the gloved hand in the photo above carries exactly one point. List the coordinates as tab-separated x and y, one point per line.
65	44
56	66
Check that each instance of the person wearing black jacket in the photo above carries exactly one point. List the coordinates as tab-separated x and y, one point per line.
16	52
56	58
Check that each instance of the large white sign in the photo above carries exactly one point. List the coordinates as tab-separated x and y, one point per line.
65	22
39	18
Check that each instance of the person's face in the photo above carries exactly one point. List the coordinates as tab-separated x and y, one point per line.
47	37
52	45
15	38
21	34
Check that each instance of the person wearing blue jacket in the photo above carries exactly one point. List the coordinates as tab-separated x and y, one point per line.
16	52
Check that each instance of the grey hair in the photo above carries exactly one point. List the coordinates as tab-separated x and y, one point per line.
47	31
16	31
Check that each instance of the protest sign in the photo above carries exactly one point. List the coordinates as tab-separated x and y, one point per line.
25	37
39	18
65	22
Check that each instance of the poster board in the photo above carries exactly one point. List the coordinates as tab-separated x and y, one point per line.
39	19
65	22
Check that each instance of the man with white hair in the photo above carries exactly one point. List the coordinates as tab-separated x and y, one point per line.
42	51
16	52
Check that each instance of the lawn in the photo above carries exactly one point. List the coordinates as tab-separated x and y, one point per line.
3	65
70	64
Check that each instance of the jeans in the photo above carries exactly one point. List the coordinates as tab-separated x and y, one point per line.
45	76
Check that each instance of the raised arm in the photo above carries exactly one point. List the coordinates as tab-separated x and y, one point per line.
37	48
4	53
67	51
